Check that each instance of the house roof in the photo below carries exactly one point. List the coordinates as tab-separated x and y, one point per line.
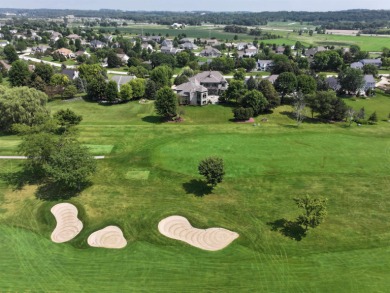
188	87
122	79
73	36
333	83
272	78
371	61
69	73
368	78
64	51
208	77
357	65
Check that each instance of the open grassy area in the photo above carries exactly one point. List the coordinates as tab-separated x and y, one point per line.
151	172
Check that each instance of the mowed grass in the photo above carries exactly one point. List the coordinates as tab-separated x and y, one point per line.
151	173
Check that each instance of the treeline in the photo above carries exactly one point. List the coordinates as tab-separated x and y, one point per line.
330	19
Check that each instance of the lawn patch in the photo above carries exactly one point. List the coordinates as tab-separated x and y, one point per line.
137	175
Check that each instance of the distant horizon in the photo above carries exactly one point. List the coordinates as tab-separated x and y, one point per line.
207	6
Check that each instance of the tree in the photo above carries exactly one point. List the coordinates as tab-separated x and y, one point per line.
126	93
314	211
91	71
373	118
22	105
370	69
161	75
10	53
44	71
239	74
328	105
150	89
286	83
212	169
306	84
235	90
96	89
113	61
112	91
223	64
180	79
21	45
182	58
255	100
299	106
19	74
138	87
70	165
350	115
251	84
269	92
67	118
166	103
351	80
69	92
242	114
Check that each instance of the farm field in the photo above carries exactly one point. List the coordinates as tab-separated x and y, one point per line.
150	172
366	43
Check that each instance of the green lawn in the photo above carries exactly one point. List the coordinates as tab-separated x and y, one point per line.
151	173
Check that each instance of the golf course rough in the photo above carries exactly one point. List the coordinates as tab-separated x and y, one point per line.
109	237
68	225
212	239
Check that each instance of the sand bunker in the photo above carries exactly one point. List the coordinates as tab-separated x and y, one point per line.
177	227
68	225
109	237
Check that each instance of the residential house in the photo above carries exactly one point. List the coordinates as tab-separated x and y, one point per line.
210	52
369	82
264	65
177	25
124	58
250	52
167	43
80	53
70	73
1	35
3	43
213	42
376	62
96	44
311	52
279	50
272	78
156	39
170	50
55	36
212	80
74	37
5	65
333	83
189	46
65	52
147	47
192	93
122	79
242	46
109	38
357	65
186	40
40	49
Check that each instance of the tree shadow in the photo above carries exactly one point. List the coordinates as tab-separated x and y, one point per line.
288	228
55	191
153	119
21	178
197	187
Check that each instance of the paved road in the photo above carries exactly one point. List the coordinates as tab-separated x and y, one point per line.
24	158
25	57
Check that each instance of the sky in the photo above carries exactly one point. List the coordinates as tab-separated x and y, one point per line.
209	5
